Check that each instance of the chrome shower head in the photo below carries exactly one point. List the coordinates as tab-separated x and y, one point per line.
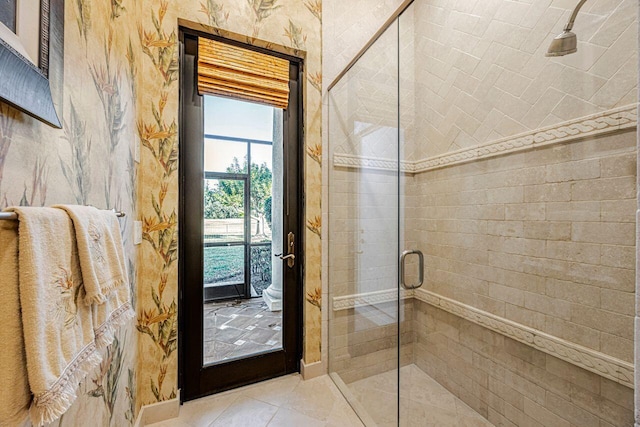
566	42
563	44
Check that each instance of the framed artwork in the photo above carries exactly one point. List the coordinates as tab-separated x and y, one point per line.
31	57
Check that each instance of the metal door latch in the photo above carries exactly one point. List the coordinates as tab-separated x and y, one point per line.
290	257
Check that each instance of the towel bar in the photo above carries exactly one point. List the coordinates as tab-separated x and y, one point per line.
14	216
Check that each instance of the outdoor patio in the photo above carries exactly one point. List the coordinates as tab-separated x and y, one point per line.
240	328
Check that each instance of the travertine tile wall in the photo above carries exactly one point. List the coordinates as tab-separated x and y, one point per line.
347	26
364	340
511	383
342	38
544	238
364	223
363	107
364	211
481	73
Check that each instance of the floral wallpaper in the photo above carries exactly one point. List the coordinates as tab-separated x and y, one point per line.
89	161
121	93
290	23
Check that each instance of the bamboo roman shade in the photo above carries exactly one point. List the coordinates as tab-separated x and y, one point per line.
231	71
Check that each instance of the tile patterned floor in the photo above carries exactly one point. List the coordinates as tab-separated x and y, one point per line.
282	402
239	329
423	401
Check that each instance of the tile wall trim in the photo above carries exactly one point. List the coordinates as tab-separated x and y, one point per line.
609	367
588	126
369	298
374	163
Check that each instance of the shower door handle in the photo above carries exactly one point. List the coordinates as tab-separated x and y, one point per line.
420	269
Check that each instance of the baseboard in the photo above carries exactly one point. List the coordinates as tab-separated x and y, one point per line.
312	370
157	412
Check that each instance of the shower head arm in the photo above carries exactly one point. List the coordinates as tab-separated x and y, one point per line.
572	19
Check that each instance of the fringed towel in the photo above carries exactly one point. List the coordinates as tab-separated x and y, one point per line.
15	396
57	325
103	267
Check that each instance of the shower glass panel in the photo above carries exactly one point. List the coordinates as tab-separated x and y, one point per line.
513	173
364	224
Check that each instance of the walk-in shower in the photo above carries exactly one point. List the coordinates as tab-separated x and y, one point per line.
482	202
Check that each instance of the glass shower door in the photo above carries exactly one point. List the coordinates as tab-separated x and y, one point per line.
364	218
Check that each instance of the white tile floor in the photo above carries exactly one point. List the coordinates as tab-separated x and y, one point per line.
282	402
290	402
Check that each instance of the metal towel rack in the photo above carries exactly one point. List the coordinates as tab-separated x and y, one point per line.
14	216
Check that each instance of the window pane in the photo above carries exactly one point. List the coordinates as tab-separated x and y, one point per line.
261	192
225	156
223	210
223	265
8	14
238	119
261	261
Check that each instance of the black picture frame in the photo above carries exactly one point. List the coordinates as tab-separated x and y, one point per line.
37	90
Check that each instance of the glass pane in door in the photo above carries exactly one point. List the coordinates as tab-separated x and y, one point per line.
223	265
363	229
243	210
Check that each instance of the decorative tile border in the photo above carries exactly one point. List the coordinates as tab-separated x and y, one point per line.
369	298
375	163
609	367
591	360
588	126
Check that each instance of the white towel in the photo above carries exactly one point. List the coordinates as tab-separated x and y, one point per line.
101	256
57	326
15	396
103	267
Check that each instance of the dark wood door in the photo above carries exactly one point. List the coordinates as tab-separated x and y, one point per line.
198	378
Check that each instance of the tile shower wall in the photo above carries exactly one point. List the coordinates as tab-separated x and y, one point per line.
544	238
343	36
342	39
511	383
363	252
482	74
364	213
364	340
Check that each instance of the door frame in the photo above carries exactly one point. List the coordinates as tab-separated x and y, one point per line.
194	380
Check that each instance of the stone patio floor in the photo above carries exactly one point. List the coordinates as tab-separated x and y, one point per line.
240	328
